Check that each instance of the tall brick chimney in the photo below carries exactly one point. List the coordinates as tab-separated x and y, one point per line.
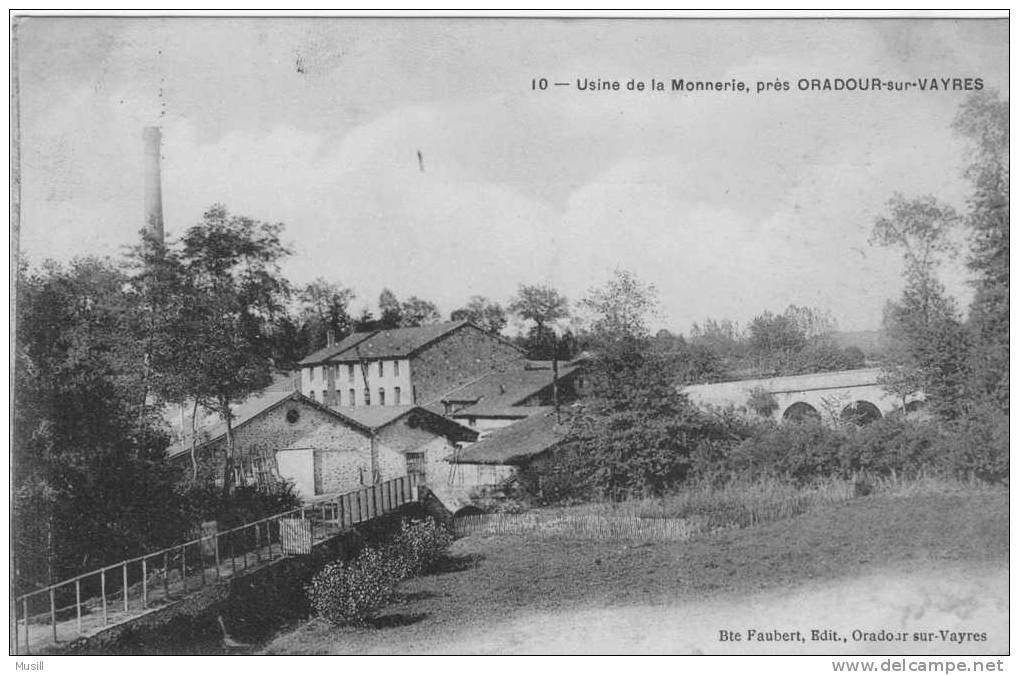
152	138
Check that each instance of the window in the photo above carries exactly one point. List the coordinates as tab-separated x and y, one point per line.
396	368
325	399
472	421
396	395
367	397
311	395
382	396
293	415
350	372
381	369
352	398
416	465
311	374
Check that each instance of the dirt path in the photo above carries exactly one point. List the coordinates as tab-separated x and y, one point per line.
912	608
927	562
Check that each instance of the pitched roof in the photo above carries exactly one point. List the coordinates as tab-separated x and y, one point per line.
517	442
499	391
213	426
396	342
343	345
375	418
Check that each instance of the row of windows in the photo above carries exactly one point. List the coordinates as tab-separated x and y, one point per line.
352	370
351	398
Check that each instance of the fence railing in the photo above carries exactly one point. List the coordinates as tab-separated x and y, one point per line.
88	602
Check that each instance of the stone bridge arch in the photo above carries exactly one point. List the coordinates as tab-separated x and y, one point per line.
846	395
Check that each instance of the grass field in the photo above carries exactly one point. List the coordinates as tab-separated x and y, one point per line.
912	559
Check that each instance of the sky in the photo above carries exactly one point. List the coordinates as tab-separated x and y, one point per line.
728	203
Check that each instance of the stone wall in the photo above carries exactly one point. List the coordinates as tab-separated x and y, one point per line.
260	438
458	358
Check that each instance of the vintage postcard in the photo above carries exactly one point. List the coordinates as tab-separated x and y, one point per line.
548	334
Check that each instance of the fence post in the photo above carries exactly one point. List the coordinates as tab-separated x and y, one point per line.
53	612
233	559
24	610
102	585
183	569
124	568
77	603
215	541
258	542
145	584
166	576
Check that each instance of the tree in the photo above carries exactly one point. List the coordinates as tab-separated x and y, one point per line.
417	312
983	122
91	485
619	312
775	340
390	312
543	306
324	309
483	313
812	321
213	345
929	344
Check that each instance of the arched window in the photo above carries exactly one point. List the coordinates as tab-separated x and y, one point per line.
382	396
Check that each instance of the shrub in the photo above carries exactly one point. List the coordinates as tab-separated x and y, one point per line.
418	546
762	402
353	592
977	445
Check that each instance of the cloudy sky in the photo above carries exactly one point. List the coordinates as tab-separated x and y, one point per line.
728	203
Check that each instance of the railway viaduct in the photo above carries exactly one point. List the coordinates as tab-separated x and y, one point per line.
845	394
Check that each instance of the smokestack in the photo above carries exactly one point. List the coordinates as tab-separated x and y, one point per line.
152	138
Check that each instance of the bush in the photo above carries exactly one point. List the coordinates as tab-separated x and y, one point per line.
244	505
419	545
353	592
977	445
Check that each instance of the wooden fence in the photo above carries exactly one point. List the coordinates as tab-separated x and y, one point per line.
71	608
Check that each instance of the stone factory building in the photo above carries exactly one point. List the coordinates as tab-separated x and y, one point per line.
404	366
285	436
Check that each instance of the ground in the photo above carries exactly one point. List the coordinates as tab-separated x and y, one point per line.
917	565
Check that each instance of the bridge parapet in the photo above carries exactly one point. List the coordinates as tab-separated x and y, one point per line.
830	396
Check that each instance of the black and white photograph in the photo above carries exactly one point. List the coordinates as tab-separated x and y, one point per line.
510	334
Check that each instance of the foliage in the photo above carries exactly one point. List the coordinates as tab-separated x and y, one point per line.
542	307
390	313
633	438
983	122
483	313
90	482
418	546
619	311
353	592
244	505
417	312
762	402
324	308
211	308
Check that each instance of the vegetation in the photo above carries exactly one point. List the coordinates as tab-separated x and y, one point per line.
353	592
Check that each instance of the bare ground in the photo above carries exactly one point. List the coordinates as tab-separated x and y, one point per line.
915	564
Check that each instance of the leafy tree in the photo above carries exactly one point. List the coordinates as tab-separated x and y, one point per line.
390	312
543	306
619	312
725	338
775	340
983	121
90	482
483	313
417	312
812	321
214	346
324	308
929	343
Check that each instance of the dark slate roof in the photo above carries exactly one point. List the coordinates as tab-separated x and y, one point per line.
500	390
517	442
397	342
343	345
